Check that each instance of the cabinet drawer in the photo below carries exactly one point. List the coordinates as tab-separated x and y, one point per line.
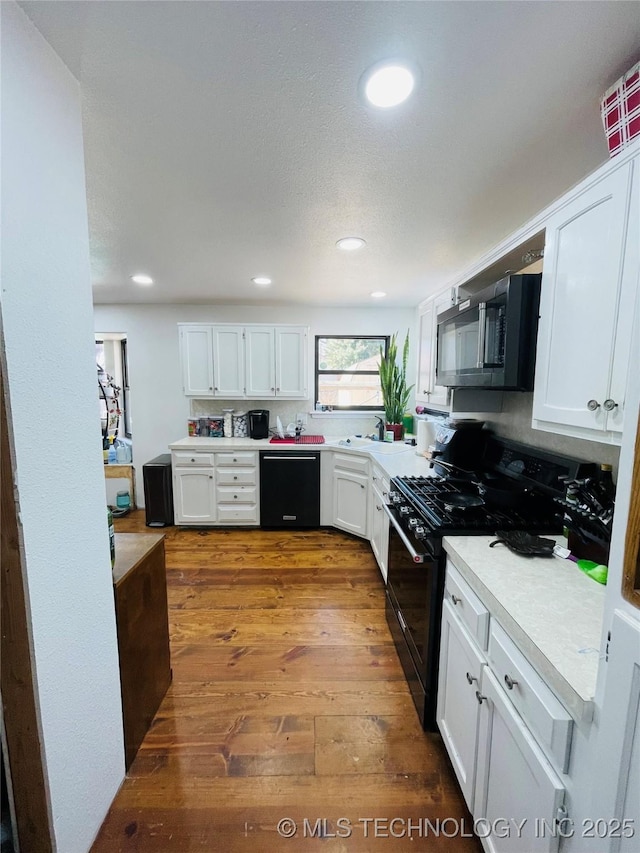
242	514
347	462
534	701
236	476
381	480
467	606
241	458
187	459
236	495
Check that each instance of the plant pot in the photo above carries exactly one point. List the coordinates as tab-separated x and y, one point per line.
397	430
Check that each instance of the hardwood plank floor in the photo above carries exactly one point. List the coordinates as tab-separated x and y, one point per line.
287	702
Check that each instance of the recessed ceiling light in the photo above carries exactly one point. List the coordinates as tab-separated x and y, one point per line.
350	244
388	84
141	278
261	280
378	294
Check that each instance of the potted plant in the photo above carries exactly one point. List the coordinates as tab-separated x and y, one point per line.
393	381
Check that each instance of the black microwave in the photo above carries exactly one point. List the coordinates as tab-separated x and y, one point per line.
489	339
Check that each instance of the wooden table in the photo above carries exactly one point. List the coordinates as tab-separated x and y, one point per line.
140	590
123	472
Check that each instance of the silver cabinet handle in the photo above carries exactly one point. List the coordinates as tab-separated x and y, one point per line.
361	486
593	405
455	599
235	478
379	508
375	479
609	405
480	697
482	332
417	558
403	624
211	389
215	389
273	389
471	678
509	682
277	389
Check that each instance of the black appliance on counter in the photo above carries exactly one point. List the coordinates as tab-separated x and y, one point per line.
158	491
258	423
489	339
289	488
461	443
421	513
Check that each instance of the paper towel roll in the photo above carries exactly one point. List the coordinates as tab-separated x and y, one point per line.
426	436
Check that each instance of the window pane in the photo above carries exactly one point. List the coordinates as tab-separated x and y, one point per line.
350	390
349	353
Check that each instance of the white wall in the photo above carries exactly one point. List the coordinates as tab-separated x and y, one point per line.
51	377
159	408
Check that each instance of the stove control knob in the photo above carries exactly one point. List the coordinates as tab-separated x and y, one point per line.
405	510
420	532
414	522
395	497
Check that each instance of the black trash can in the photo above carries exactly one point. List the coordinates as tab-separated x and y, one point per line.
158	491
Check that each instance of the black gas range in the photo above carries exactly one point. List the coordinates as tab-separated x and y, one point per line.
422	510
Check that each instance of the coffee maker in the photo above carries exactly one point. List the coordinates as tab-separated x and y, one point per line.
258	421
461	443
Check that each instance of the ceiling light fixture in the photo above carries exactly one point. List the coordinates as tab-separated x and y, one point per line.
388	84
141	278
378	294
261	280
350	244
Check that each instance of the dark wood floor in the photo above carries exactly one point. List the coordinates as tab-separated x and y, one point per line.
287	702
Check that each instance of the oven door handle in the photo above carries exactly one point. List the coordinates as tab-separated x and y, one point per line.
482	332
417	558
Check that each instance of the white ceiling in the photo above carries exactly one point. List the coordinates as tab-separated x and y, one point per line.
226	140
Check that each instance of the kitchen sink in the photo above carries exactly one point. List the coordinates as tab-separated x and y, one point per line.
355	442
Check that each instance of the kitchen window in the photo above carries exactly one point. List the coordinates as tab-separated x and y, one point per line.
347	377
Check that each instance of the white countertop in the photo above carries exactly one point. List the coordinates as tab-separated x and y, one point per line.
551	610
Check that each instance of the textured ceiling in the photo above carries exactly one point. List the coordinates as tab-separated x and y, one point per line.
226	140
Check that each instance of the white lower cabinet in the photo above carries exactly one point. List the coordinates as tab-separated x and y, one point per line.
458	711
215	488
379	521
515	783
194	495
350	493
507	736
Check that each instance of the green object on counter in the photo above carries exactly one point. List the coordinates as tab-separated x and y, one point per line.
594	570
407	422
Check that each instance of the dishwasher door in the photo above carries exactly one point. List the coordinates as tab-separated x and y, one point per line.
289	488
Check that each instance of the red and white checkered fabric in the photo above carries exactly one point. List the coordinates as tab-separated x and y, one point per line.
620	108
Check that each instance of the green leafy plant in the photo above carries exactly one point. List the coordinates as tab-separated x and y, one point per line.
393	380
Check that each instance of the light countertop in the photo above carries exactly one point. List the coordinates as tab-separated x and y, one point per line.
551	610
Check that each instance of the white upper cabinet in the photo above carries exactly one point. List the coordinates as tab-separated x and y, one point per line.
196	348
228	361
261	365
290	361
427	392
589	287
254	361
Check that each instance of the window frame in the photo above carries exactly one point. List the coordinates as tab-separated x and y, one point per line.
318	372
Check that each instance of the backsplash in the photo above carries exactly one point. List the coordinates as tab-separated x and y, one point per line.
328	425
514	422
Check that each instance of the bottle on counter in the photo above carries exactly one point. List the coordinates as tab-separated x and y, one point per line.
111	453
605	483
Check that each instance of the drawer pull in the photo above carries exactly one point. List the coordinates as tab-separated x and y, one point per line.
480	697
193	460
509	682
379	508
455	599
593	405
471	678
235	497
211	476
610	405
235	478
234	459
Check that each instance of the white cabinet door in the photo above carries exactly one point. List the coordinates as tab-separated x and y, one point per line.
228	361
350	501
291	361
194	495
579	305
261	370
458	711
379	530
514	780
196	353
427	392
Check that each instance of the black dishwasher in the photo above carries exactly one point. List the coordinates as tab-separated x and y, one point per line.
289	488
